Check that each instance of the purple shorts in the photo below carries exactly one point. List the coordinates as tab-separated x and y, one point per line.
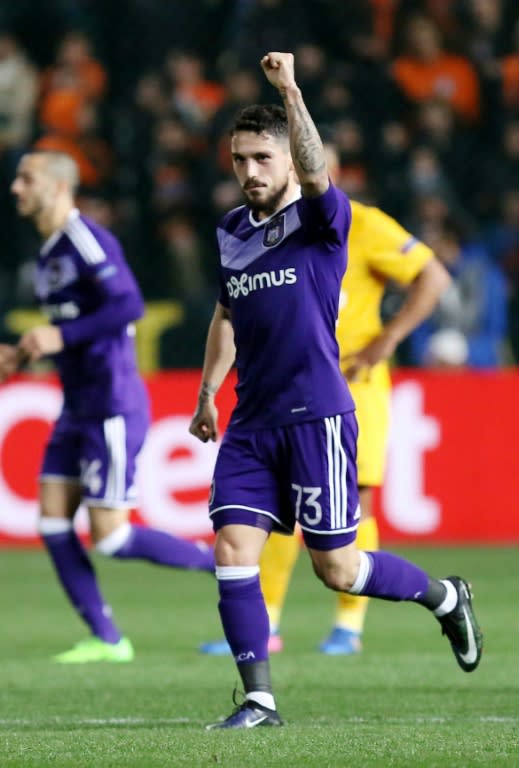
100	455
305	473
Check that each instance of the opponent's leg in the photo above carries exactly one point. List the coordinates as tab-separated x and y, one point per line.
277	564
372	408
350	615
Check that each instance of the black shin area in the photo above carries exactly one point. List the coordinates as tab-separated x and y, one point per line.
256	676
435	595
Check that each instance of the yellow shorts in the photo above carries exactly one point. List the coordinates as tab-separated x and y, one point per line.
372	401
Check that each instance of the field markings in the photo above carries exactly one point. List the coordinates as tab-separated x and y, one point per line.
102	721
164	721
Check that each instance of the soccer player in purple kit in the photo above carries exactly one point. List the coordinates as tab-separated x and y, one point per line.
290	447
87	290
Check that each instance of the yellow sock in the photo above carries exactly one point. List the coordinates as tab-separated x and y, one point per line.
276	566
351	609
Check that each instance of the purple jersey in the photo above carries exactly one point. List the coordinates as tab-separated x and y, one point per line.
281	280
85	286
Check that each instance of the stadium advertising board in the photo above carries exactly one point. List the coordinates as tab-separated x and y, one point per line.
451	474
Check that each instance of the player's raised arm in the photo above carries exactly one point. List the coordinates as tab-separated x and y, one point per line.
305	143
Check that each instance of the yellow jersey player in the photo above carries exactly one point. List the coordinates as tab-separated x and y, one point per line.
379	251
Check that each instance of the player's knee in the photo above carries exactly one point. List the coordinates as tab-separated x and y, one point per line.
339	575
337	579
109	528
56	508
239	545
46	508
109	544
230	553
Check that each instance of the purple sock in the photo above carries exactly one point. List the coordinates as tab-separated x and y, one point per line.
77	576
244	618
392	578
160	547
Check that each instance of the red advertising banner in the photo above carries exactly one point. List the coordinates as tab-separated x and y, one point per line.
452	465
451	474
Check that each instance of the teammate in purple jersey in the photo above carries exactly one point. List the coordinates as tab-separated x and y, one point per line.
87	290
289	451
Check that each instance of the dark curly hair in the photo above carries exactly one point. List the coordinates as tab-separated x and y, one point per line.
262	118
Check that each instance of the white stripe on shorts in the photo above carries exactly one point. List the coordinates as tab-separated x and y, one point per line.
115	437
337	471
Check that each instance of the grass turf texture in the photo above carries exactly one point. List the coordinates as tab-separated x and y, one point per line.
402	702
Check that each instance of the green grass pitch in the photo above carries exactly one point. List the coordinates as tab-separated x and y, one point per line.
402	702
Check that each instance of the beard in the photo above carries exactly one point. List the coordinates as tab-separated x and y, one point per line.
30	210
270	204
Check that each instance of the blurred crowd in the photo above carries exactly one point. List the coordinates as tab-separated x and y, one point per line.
421	98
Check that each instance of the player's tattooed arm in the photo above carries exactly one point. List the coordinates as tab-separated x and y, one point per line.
207	391
306	146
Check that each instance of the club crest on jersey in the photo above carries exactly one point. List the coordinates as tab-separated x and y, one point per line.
55	275
274	231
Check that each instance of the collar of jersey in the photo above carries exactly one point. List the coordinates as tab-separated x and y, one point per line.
53	239
276	213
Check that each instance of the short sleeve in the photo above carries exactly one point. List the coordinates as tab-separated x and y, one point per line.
391	250
223	294
328	216
100	258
